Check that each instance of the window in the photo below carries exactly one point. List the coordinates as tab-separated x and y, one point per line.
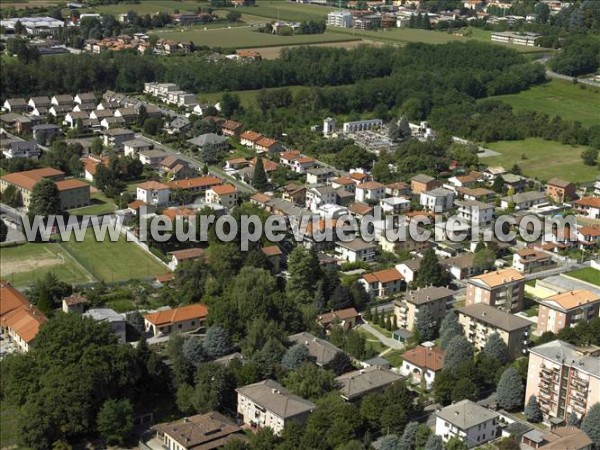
179	326
193	322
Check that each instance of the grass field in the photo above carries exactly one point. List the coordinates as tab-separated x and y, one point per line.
589	275
283	10
114	261
8	425
559	98
545	159
23	264
100	205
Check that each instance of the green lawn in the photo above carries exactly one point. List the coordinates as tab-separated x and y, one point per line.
401	35
394	357
100	205
145	7
589	275
114	261
545	159
247	37
8	425
288	11
23	264
559	98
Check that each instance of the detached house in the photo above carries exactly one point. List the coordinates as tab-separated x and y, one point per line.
422	363
346	318
471	423
323	351
382	283
250	138
590	206
357	384
437	299
181	320
560	190
355	250
15	105
371	190
422	183
528	260
319	196
117	136
267	145
224	194
153	193
438	200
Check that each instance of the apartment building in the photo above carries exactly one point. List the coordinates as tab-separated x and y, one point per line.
438	299
502	289
564	378
480	321
476	212
382	283
437	200
153	193
339	19
567	309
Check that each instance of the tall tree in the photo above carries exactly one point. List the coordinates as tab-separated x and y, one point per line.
295	356
115	421
434	442
425	326
45	199
496	348
510	390
450	328
217	342
573	420
303	269
214	389
431	272
458	351
259	179
456	443
533	413
590	424
310	381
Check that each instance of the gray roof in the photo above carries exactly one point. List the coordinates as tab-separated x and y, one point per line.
466	414
136	143
118	132
208	139
179	122
323	190
320	349
378	361
439	192
403	332
412	264
319	171
512	178
421	178
45	126
104	315
356	244
495	317
460	261
525	197
153	153
474	203
564	353
428	294
360	382
272	396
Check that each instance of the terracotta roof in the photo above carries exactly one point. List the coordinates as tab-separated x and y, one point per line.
472	177
383	276
231	125
188	253
260	197
360	208
592	231
237	160
136	204
358	176
499	277
593	202
165	277
67	185
224	189
340	314
473	192
171	316
292	154
305	160
530	254
370	185
17	314
272	250
266	142
397	185
148	185
268	165
343	181
431	358
198	182
174	213
572	299
251	136
75	299
29	178
566	438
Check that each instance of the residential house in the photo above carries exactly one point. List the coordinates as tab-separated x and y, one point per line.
295	193
318	175
523	200
422	363
369	191
357	384
303	164
346	318
480	321
100	114
134	146
116	322
473	424
516	182
406	244
359	210
588	237
43	132
461	266
590	206
153	193
181	320
344	183
558	438
74	303
224	194
115	137
475	212
199	432
528	260
355	250
175	168
267	404
231	128
112	122
209	141
318	196
188	254
383	283
74	119
39	102
409	269
151	158
22	149
560	191
423	183
19	319
85	97
437	299
90	163
58	100
566	310
236	163
15	105
178	125
60	111
502	289
564	378
394	205
273	254
492	172
397	189
250	138
480	194
267	145
129	115
470	179
197	184
438	200
322	351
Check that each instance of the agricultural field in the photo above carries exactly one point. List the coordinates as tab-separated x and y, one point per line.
21	265
559	98
542	159
282	10
114	261
589	275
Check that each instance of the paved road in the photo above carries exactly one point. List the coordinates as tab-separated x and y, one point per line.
388	342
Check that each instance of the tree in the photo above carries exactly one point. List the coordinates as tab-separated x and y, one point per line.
193	351
424	324
303	269
458	351
340	363
573	420
484	259
152	126
510	390
12	196
533	413
498	184
310	381
115	421
434	442
233	16
431	272
96	146
508	443
217	342
590	156
590	424
394	418
464	388
230	104
45	199
3	231
496	348
390	442
456	443
259	179
295	356
214	389
449	328
409	435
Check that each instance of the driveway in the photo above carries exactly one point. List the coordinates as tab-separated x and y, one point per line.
388	342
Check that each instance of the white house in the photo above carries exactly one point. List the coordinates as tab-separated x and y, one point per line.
382	283
318	196
394	205
472	423
153	193
133	146
408	269
422	363
355	250
476	212
524	200
437	200
116	321
371	190
267	404
225	195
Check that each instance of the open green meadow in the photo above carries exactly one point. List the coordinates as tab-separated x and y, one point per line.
114	261
282	10
100	204
543	159
21	265
588	274
559	98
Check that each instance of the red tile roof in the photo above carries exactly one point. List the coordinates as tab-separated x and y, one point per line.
427	358
17	314
171	316
224	189
198	182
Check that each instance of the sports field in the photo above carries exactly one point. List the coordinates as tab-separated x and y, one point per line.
114	261
559	98
23	264
544	159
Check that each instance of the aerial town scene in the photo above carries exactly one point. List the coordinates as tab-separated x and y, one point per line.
300	224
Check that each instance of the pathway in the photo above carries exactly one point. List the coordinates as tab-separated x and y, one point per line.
388	342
